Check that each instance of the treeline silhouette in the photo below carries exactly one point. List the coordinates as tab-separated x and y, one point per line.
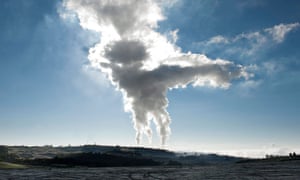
291	156
5	155
3	152
274	158
94	160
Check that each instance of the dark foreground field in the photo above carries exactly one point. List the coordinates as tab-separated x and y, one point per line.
250	170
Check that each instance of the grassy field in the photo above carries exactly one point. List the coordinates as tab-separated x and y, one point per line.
285	170
6	165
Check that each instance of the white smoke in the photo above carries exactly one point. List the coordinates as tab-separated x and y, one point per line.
142	63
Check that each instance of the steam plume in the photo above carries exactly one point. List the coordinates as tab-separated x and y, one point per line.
142	63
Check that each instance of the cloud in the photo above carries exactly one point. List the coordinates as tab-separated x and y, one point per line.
173	35
123	16
272	67
250	43
217	39
126	52
142	63
279	32
250	48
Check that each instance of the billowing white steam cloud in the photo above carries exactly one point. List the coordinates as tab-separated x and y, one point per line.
142	63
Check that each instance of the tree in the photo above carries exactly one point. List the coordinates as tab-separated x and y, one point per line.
3	153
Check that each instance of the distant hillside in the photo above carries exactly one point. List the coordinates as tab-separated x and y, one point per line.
104	156
40	152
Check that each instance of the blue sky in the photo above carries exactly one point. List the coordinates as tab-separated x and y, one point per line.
50	95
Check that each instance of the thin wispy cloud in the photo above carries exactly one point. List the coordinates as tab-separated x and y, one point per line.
280	31
248	48
250	43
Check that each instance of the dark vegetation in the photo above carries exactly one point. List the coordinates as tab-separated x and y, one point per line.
106	156
94	160
273	158
3	152
5	155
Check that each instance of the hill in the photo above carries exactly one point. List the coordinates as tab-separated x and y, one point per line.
107	156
